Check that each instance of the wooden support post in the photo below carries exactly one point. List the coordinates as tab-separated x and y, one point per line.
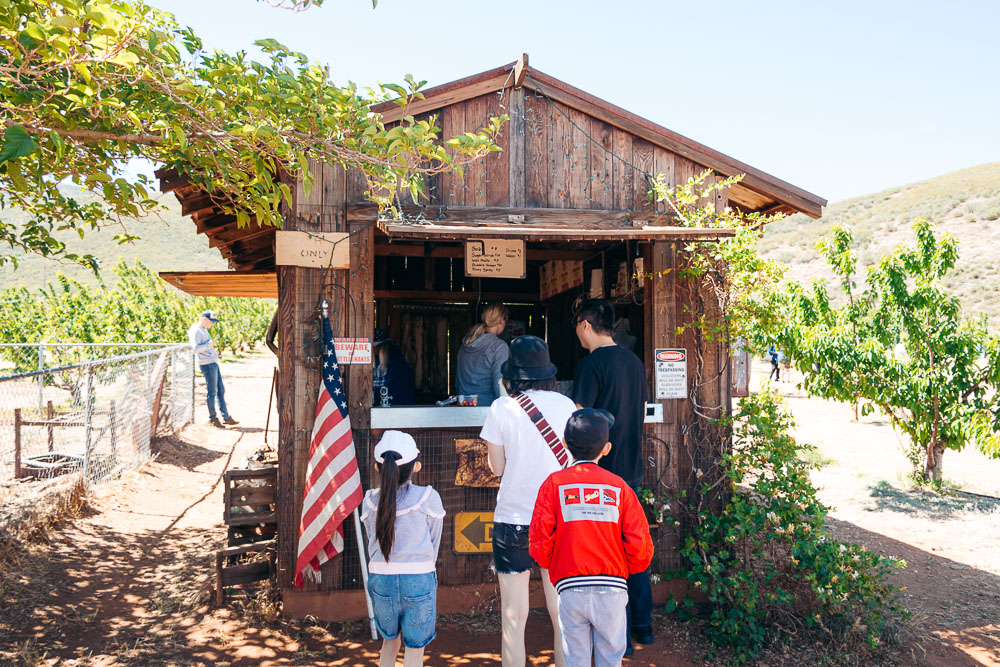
49	416
220	592
17	443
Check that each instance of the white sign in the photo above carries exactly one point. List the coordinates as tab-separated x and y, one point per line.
671	374
495	258
353	350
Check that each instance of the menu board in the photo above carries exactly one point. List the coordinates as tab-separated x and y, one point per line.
558	276
495	258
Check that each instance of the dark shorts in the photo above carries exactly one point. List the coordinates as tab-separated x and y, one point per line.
510	548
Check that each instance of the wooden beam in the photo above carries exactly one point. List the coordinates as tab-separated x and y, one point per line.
263	284
520	69
504	217
434	101
461	297
456	233
532	254
754	179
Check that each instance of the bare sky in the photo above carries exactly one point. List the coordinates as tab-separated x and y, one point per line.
841	99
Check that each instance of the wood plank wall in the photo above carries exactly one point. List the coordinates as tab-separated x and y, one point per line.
553	157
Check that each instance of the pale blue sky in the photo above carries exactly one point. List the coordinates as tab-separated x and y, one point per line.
842	99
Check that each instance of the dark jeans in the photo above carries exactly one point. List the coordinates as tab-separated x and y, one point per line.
216	390
639	611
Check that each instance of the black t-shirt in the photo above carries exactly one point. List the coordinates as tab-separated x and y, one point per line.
612	378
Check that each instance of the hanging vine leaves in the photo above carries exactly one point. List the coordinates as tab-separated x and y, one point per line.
87	86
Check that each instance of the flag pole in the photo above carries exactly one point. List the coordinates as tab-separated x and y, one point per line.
357	532
364	575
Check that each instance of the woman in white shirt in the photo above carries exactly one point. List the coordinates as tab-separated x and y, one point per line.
523	452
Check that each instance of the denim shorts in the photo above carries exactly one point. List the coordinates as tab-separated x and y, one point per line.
407	601
510	548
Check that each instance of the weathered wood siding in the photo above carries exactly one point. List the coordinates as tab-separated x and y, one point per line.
548	161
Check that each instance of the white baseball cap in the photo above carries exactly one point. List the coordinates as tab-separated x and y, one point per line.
399	442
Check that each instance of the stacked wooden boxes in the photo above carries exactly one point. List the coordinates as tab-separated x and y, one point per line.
249	514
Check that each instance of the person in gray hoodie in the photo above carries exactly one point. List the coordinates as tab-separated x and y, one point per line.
481	356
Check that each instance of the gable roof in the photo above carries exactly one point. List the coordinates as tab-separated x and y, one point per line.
772	194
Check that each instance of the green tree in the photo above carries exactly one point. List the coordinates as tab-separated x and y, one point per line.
86	86
900	344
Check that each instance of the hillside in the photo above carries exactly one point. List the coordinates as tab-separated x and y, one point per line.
965	203
168	243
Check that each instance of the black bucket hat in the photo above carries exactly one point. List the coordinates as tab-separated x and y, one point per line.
380	336
529	360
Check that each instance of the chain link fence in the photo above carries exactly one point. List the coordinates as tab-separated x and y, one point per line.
93	417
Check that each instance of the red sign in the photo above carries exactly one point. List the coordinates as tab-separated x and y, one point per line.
670	355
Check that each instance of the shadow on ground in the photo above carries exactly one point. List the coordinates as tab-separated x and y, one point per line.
928	503
955	619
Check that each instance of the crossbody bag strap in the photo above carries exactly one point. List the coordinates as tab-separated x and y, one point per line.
554	442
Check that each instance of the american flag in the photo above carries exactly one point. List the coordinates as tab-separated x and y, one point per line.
333	484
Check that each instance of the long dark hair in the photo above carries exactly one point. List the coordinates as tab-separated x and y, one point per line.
393	476
515	387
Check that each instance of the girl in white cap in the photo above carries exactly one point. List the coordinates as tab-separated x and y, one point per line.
403	522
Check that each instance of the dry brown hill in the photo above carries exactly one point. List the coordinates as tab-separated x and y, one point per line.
965	203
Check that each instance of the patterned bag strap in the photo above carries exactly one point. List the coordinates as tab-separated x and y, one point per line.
554	442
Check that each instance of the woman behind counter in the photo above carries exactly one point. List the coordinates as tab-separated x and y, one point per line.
392	372
481	356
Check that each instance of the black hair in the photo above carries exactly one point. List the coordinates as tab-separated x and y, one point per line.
599	313
520	386
393	476
581	452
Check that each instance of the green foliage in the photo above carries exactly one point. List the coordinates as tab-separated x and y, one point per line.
766	564
87	86
141	308
900	344
733	269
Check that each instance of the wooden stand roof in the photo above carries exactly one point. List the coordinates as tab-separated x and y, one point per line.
262	284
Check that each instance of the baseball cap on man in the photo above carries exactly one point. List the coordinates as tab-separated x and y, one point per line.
588	427
210	314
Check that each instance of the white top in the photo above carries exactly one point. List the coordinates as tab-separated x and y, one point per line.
201	341
419	520
529	459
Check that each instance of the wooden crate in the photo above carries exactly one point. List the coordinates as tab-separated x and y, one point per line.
232	568
249	496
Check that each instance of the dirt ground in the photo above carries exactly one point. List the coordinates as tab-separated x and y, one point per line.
130	582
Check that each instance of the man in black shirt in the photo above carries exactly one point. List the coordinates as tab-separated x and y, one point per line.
612	378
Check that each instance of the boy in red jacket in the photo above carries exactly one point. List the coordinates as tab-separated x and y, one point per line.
589	531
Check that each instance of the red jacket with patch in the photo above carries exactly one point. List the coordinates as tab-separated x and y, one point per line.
588	529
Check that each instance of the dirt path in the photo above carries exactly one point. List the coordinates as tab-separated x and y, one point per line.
130	583
951	544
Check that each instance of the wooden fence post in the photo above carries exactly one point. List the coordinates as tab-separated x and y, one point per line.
49	416
17	443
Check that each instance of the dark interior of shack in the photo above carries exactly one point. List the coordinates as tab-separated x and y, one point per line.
426	303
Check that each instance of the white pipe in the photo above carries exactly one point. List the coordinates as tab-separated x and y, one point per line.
364	574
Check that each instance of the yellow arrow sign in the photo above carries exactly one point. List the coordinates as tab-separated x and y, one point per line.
474	532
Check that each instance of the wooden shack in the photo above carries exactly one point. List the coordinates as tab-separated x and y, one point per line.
570	188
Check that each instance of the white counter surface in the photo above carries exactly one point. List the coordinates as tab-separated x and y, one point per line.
451	416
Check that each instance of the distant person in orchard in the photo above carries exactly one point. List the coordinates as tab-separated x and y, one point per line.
208	360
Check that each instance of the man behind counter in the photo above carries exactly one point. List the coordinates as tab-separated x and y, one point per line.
612	378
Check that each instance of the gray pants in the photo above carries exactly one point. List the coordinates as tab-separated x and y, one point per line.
592	620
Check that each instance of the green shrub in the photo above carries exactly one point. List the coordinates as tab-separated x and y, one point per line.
766	563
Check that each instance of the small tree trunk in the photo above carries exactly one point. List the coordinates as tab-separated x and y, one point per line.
934	469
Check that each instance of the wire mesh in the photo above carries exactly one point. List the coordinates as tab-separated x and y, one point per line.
96	417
